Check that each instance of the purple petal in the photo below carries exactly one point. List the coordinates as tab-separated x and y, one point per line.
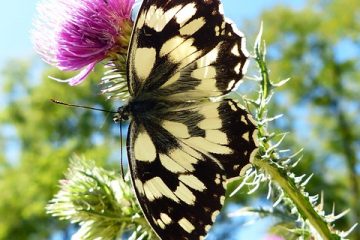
82	75
76	34
273	237
79	78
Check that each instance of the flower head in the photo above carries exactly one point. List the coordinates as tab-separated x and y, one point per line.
100	201
77	34
273	237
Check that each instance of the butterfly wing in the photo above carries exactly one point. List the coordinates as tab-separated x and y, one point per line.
180	162
180	190
185	49
222	130
182	146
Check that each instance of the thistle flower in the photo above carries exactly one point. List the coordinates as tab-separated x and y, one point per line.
77	34
273	237
101	202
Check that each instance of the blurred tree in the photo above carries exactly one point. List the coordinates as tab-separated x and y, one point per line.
318	47
45	136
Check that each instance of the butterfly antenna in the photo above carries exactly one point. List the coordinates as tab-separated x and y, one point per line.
80	106
121	152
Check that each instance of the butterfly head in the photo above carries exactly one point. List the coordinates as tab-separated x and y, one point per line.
122	114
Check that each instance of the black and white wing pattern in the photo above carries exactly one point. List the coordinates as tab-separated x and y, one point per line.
180	189
182	144
185	49
180	163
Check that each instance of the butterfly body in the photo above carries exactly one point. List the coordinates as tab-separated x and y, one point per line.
186	139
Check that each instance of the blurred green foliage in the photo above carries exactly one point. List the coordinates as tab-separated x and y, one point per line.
317	47
46	135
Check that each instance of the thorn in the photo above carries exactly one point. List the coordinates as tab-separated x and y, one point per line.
243	182
281	83
307	180
265	50
278	143
258	38
266	120
253	102
314	199
345	234
284	151
270	190
277	202
299	179
340	215
257	185
297	162
321	205
297	153
253	78
269	97
286	161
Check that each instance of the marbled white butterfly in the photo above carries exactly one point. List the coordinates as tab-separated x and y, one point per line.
185	138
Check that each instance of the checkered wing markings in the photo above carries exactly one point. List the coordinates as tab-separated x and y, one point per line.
185	49
222	130
180	154
180	190
179	164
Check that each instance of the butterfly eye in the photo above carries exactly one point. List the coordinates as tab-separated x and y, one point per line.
125	116
122	114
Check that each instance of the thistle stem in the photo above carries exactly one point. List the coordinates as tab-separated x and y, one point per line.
268	163
304	207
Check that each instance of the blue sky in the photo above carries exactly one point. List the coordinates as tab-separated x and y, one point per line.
17	15
15	24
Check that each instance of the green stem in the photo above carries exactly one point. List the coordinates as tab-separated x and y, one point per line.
302	204
277	174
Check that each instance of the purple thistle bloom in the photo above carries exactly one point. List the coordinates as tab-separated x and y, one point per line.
273	237
77	34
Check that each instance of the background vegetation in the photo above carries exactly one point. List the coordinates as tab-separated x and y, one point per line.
318	46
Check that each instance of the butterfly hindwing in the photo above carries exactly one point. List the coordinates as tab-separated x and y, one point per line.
180	190
181	161
186	49
222	130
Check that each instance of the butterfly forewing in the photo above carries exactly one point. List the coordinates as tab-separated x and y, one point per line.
185	48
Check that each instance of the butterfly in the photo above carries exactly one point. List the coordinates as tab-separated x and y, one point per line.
186	139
